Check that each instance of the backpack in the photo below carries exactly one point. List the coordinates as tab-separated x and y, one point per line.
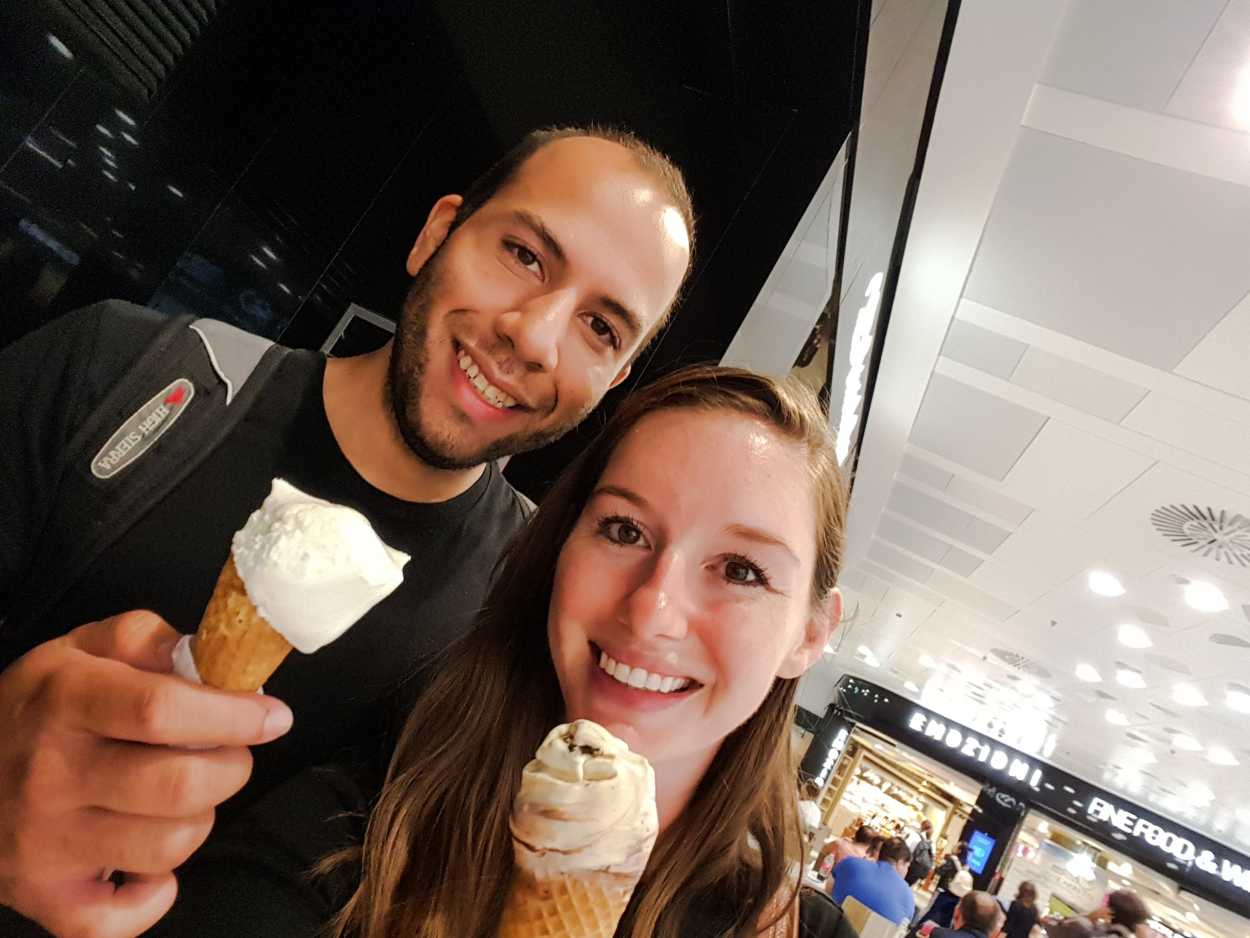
921	860
201	374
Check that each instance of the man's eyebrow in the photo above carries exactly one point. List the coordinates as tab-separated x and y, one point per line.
632	321
761	537
541	231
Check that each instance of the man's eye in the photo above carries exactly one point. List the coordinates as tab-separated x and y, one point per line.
525	257
604	331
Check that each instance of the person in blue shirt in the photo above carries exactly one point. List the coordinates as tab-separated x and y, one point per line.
878	884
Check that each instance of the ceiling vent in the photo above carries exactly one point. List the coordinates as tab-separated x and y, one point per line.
1013	659
1235	641
1220	535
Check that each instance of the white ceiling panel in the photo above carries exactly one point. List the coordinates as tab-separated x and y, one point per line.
946	519
898	532
977	495
1133	52
964	592
1018	585
960	561
896	560
899	582
919	469
1076	385
975	429
1214	89
1127	255
1164	418
1070	473
981	349
1219	360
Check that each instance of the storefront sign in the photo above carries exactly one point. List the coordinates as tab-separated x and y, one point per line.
1177	846
826	747
835	752
995	758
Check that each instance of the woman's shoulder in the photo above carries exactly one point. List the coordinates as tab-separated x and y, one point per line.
821	917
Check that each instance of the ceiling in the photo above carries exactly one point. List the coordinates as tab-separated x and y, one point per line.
1064	390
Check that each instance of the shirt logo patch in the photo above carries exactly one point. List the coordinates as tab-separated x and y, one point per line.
142	429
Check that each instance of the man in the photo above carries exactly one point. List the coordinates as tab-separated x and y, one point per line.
878	884
921	854
531	296
976	916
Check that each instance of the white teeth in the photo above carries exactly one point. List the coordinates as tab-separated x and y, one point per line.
641	678
489	392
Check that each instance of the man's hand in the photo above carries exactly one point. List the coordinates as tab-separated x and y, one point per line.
91	779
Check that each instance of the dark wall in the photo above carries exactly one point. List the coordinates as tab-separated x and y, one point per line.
282	167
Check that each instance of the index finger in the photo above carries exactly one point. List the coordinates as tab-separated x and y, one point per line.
111	699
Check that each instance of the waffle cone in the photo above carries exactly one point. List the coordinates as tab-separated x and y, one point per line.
235	648
565	906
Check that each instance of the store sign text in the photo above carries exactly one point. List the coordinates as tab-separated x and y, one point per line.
974	748
835	750
1171	843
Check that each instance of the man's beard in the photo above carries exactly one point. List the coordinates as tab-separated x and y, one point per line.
408	366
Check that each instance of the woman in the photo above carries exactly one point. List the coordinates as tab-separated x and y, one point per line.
698	537
1022	915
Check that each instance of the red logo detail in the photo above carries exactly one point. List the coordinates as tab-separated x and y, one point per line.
177	395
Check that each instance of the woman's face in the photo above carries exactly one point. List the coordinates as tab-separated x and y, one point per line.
688	577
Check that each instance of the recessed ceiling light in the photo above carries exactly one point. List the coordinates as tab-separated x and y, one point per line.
911	686
927	662
1105	584
1205	597
1218	755
1088	673
829	648
1186	743
1237	699
1133	636
1188	696
1130	677
1117	718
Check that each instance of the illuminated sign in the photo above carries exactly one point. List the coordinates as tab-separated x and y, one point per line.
861	345
1176	845
967	744
831	759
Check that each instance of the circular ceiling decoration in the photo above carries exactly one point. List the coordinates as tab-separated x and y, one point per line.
1221	535
1013	659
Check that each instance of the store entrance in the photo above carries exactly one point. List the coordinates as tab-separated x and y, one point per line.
892	789
1073	872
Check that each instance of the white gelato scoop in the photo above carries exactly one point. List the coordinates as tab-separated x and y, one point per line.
587	802
312	568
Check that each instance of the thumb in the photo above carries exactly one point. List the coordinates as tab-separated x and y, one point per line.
100	909
139	638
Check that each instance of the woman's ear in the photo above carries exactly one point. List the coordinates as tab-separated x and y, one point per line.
434	232
824	619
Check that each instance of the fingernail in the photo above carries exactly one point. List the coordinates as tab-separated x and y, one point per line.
277	721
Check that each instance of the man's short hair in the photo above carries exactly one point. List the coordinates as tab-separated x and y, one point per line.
927	826
895	850
979	911
1127	908
650	160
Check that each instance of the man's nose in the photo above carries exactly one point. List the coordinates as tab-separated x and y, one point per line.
658	606
534	330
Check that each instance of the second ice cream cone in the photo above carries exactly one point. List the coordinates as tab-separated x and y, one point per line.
235	648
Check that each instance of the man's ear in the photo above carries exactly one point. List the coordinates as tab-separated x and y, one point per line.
820	626
434	232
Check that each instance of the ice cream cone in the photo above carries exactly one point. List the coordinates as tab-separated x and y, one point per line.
235	648
583	826
556	904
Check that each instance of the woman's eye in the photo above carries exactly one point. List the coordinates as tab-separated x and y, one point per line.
621	531
604	331
745	573
525	257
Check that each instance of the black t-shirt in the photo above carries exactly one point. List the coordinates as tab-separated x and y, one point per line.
169	560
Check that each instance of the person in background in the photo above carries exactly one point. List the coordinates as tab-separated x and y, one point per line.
951	865
809	811
977	915
860	844
878	884
1022	915
1122	913
921	854
941	910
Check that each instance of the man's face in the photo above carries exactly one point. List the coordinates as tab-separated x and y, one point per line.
521	319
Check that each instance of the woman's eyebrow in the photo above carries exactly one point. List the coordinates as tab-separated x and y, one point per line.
760	537
622	492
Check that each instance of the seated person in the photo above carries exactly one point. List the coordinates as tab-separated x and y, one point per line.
878	884
977	915
699	537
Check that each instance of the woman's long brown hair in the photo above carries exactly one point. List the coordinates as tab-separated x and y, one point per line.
437	856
